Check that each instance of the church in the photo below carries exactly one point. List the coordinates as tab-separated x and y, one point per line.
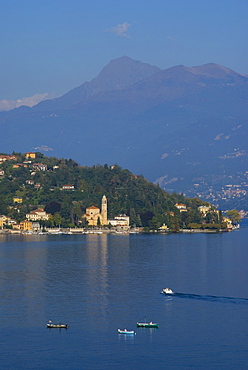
95	217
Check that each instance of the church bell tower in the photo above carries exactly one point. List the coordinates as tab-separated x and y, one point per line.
104	211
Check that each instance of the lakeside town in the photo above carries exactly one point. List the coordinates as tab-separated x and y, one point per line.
98	222
226	192
53	196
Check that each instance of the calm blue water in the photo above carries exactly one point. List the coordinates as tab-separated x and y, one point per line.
99	283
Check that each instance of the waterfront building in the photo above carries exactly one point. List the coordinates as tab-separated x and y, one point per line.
26	225
37	214
163	229
95	217
120	221
3	221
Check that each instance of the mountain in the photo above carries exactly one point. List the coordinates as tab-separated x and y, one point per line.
118	74
184	127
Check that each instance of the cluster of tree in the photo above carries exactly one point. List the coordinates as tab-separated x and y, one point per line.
146	203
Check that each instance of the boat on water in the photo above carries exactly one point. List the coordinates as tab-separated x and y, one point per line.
167	291
147	325
125	331
50	325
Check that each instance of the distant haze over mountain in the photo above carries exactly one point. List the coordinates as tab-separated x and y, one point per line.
30	101
185	128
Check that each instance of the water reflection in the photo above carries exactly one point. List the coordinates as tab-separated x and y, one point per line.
126	338
97	277
22	272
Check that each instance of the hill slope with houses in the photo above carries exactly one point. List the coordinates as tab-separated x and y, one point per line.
58	192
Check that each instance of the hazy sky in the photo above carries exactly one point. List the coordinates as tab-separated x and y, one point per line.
52	46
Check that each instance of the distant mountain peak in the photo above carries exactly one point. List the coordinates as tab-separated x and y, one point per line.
215	70
122	72
118	74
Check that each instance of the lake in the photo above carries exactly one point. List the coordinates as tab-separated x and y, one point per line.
99	283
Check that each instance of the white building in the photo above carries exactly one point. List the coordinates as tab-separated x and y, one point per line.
121	221
37	214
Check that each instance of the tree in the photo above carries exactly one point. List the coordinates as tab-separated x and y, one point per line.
98	222
155	223
175	228
76	212
146	217
211	217
134	218
57	219
52	207
3	205
233	215
84	222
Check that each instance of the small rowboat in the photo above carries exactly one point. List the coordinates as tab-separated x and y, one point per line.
147	325
50	325
125	331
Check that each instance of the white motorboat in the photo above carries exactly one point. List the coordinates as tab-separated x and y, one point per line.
167	291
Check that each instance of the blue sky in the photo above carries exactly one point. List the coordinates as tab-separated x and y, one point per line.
51	46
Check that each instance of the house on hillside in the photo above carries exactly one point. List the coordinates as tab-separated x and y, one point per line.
29	182
17	200
31	155
4	158
182	207
40	166
204	210
19	165
68	187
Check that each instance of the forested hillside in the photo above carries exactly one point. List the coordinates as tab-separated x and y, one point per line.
65	189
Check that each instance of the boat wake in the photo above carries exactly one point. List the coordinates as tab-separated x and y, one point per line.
211	298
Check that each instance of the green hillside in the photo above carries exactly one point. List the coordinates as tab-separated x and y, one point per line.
39	182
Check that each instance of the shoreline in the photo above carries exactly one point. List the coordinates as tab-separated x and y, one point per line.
121	232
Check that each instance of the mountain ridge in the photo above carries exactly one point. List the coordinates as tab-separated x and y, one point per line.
117	74
176	124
